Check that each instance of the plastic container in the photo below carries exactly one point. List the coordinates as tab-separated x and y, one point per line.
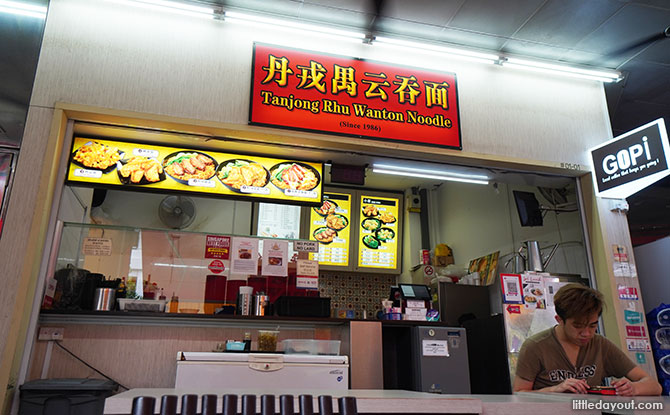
267	340
392	316
65	396
130	304
309	346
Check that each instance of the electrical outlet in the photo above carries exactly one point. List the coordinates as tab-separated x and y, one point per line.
50	333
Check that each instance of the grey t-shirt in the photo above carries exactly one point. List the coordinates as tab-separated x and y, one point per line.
543	361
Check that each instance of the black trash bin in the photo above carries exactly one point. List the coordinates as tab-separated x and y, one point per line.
65	396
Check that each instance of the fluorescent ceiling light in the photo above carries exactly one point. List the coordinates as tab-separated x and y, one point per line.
292	25
430	174
597	75
23	9
171	6
463	54
161	264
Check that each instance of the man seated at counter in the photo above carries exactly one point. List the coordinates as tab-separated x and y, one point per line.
571	357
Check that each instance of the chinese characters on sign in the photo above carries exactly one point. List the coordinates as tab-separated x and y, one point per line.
342	95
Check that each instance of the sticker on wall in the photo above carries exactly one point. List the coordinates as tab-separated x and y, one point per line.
630	306
632	317
636	331
620	254
216	266
638	345
275	258
217	247
97	246
511	288
244	256
640	358
435	348
307	272
627	293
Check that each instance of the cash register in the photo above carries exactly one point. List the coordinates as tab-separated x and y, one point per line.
415	301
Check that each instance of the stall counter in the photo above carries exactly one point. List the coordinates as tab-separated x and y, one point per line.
373	401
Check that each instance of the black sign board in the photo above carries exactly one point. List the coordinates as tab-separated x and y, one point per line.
632	161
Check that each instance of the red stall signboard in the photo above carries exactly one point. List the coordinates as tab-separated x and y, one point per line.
348	96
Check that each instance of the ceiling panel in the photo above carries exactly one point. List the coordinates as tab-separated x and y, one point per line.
658	52
647	81
281	7
565	22
335	15
533	49
407	28
632	114
493	16
425	11
632	24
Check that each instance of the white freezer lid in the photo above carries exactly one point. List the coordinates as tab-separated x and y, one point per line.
261	357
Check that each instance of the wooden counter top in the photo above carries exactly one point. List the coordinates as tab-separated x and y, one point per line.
408	402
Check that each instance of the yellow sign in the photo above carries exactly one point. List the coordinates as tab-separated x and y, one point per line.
151	167
330	226
378	236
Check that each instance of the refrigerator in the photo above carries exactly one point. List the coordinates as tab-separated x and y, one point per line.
261	370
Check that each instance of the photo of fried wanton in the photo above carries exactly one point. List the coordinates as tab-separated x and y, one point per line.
387	217
237	173
370	211
94	155
294	176
141	170
185	166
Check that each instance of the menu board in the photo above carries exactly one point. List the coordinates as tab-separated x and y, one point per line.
378	233
330	226
152	167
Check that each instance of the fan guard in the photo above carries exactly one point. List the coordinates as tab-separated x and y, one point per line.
177	212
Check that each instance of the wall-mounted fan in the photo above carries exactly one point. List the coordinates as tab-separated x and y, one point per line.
177	212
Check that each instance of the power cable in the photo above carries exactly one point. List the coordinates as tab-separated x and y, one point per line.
89	366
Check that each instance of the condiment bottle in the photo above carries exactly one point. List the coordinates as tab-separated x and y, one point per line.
174	304
247	342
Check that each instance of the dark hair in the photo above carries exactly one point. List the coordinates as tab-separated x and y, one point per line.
577	301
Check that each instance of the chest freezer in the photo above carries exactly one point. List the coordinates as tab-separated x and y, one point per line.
261	370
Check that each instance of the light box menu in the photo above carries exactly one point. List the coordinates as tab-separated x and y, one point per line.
378	233
330	225
155	168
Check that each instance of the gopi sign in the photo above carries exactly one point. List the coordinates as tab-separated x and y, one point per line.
632	161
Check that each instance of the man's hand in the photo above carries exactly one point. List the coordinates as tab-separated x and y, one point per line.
571	385
624	387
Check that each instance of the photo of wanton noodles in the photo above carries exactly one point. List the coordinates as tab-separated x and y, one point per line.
94	155
183	166
294	176
239	172
140	170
